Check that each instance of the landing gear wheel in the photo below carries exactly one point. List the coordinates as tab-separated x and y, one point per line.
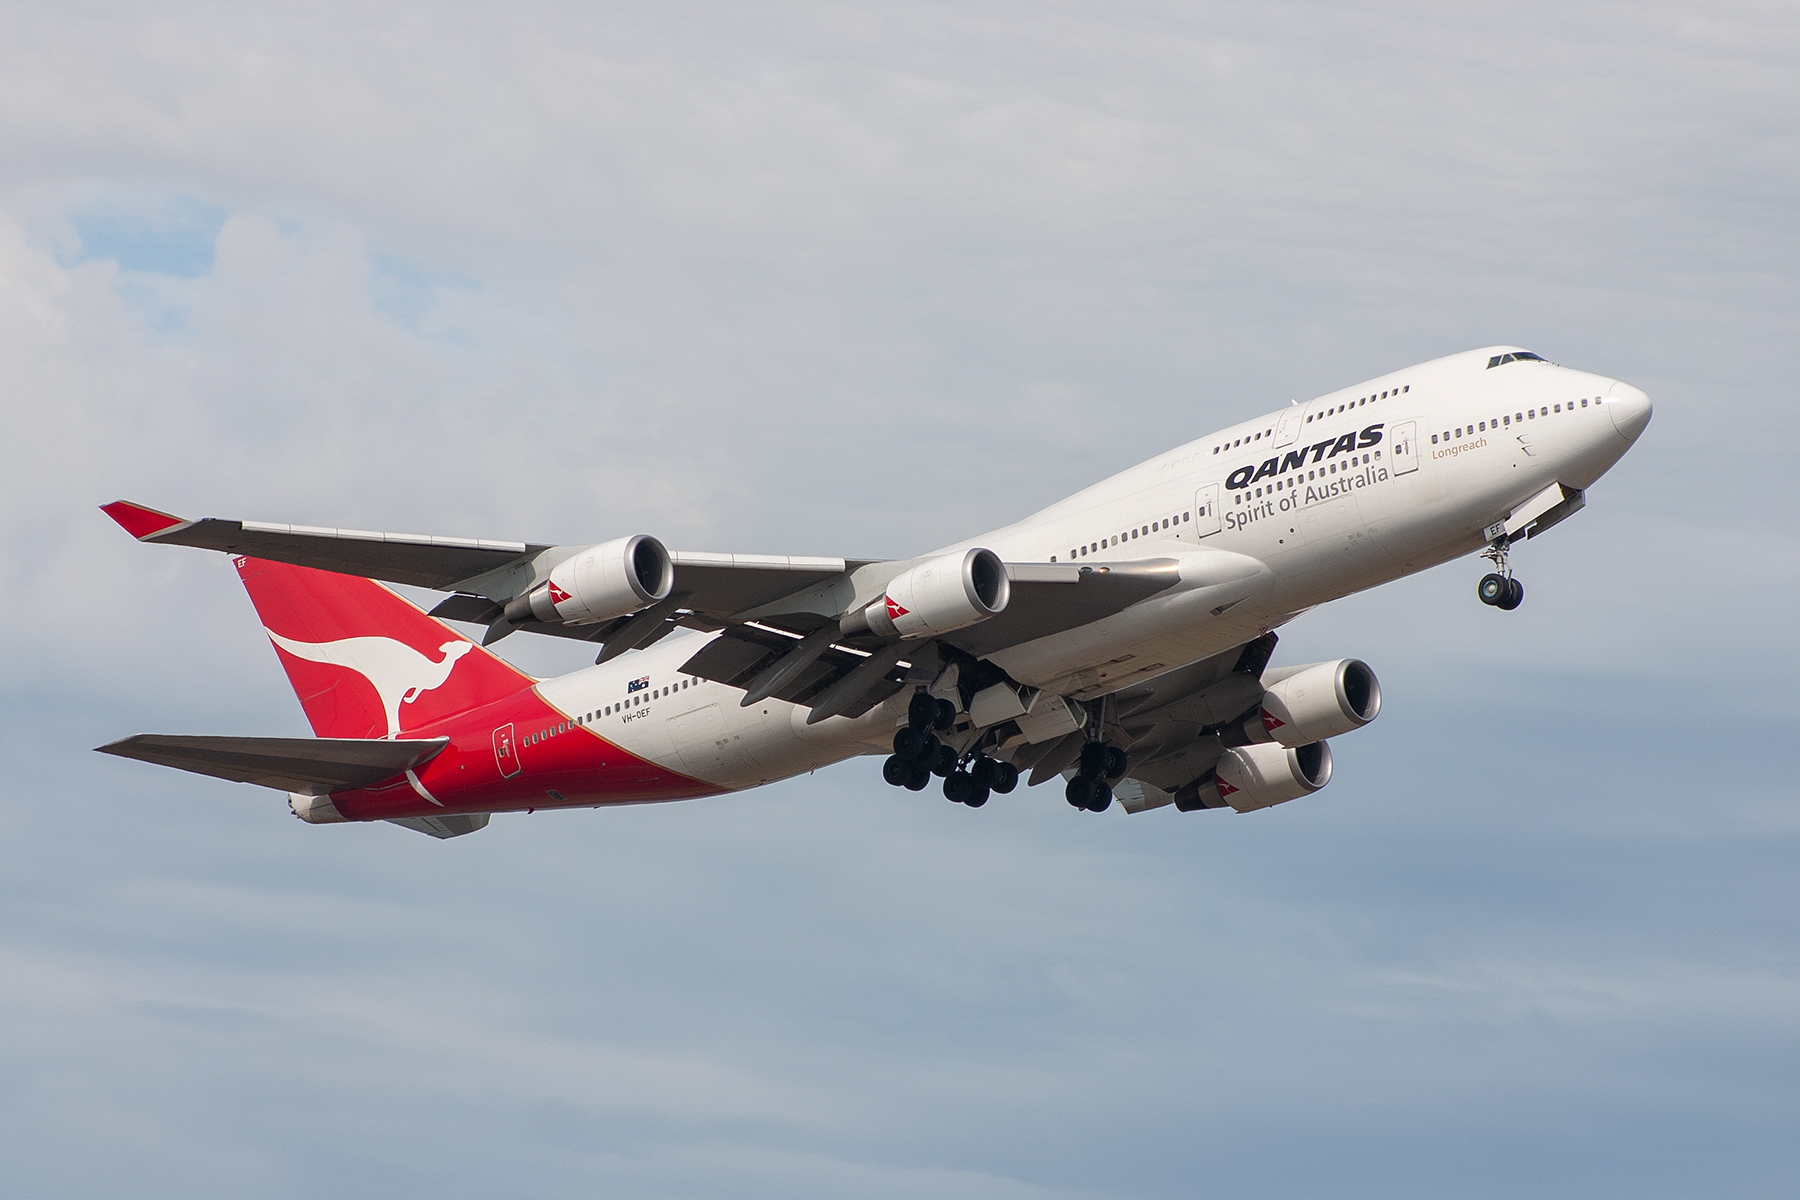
1081	791
978	799
915	745
1116	762
1103	797
1009	778
959	787
918	779
1515	596
1494	590
897	770
1094	756
946	761
945	717
984	771
922	710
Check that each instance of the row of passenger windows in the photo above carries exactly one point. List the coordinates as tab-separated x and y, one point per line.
608	710
1346	406
1370	399
1501	422
1113	539
1284	485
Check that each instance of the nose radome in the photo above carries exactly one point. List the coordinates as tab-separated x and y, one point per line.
1630	410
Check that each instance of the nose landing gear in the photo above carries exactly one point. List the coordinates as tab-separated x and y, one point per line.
1498	589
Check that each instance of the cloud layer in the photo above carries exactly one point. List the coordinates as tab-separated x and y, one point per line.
826	279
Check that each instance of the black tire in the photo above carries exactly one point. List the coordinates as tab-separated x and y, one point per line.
984	771
1103	797
908	742
1493	590
959	787
1009	778
978	799
919	778
945	718
922	710
946	761
1081	791
1093	759
1116	762
1515	596
897	771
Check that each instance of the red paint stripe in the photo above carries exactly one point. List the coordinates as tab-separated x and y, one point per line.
138	521
582	767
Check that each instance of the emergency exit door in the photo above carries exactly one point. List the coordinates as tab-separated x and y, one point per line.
1206	511
1403	449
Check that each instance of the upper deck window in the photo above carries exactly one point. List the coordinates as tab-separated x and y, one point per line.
1520	356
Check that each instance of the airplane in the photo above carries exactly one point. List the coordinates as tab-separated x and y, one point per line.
1119	640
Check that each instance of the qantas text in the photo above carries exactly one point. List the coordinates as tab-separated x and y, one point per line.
1243	477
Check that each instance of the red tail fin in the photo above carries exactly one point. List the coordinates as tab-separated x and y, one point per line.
364	662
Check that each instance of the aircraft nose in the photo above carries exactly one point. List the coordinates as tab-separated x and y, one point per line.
1630	410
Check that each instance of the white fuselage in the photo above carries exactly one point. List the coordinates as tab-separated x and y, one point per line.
1267	519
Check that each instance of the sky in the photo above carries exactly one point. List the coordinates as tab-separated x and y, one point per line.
863	280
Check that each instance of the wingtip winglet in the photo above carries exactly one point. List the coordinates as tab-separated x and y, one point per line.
138	521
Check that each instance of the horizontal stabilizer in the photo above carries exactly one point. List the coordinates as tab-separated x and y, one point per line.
312	766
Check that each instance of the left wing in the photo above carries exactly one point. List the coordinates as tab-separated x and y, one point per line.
785	618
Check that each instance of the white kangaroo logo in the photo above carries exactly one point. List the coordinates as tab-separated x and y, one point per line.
398	673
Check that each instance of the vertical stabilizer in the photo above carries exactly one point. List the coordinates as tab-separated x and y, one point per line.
364	662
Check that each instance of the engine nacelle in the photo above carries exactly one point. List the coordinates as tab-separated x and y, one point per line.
953	591
1252	777
1311	703
600	583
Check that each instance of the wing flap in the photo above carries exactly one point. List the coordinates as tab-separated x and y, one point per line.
310	765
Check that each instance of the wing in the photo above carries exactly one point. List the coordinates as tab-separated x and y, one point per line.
780	615
313	766
710	591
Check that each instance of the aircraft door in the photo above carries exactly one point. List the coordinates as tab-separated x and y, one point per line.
506	754
1403	450
1288	427
1206	511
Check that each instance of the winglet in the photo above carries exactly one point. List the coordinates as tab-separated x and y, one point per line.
138	521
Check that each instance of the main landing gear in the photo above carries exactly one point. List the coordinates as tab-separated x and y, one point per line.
1499	589
1101	763
918	755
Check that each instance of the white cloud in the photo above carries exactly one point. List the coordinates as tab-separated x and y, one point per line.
828	279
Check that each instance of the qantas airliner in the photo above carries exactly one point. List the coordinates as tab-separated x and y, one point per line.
1119	641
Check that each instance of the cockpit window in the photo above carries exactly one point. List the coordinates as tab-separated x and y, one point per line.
1521	356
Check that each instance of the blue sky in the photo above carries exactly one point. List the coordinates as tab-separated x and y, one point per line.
833	280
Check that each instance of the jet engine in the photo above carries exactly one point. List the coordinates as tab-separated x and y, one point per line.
938	595
1252	777
599	583
1311	703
